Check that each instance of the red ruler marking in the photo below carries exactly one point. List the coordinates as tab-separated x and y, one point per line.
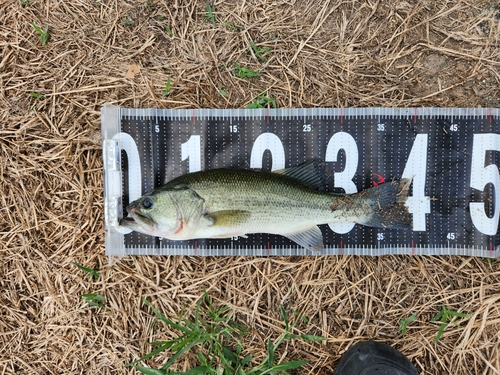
414	115
412	247
341	115
267	115
268	248
193	116
341	252
196	248
491	249
491	115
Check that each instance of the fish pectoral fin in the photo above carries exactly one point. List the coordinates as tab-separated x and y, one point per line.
311	239
229	218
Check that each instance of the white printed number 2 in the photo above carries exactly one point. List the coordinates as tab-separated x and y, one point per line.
415	169
481	176
192	150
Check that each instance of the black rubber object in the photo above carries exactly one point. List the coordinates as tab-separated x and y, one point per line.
374	358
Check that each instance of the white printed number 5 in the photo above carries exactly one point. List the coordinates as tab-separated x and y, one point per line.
481	176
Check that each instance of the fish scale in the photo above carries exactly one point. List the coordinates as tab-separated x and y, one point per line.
450	154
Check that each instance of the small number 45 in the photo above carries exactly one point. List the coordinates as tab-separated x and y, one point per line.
451	236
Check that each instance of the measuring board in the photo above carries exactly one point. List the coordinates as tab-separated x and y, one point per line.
452	156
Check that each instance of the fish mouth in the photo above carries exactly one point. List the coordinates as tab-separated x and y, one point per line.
136	219
128	218
137	215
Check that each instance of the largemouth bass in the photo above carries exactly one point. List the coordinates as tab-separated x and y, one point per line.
224	203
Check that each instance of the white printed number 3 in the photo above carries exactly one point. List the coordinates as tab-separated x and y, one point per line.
343	141
481	176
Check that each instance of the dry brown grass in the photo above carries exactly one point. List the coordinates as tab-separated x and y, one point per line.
323	53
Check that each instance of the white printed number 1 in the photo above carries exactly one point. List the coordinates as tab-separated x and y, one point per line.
192	150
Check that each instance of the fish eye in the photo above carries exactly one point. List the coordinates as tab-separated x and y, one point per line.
147	203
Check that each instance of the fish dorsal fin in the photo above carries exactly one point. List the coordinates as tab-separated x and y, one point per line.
312	173
311	239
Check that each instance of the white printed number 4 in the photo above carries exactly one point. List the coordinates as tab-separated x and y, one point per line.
415	169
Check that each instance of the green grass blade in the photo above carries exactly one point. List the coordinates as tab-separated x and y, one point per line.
246	360
229	355
209	13
285	316
312	338
223	92
150	371
197	371
245	73
164	319
403	323
459	315
92	296
437	317
270	353
92	272
440	332
166	91
36	95
411	318
285	366
179	345
149	355
37	29
168	30
180	353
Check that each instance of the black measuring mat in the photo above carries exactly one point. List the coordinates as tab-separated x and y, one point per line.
452	156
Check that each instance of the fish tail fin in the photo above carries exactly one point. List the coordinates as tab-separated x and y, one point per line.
388	203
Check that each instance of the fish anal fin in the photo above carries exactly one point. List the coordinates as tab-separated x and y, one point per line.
311	239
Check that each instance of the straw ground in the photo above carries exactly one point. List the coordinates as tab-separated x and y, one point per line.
309	53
